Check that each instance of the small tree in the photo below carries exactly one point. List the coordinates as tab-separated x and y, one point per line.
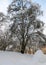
24	15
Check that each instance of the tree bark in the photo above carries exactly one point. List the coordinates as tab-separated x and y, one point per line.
22	49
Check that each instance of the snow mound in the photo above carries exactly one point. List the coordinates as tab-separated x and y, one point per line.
38	55
39	58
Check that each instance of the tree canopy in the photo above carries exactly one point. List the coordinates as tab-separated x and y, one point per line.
24	15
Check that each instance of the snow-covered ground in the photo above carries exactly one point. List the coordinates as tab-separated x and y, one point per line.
14	58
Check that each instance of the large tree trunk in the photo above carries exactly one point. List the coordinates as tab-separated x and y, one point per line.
22	49
4	47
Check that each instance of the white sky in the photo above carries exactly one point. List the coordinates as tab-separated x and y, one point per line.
3	5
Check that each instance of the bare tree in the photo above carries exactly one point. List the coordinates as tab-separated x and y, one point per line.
24	15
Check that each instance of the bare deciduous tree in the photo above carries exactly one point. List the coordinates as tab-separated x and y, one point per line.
24	15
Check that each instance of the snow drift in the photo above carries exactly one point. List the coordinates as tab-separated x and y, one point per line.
14	58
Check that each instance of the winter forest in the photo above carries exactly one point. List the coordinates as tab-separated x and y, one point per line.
22	32
21	29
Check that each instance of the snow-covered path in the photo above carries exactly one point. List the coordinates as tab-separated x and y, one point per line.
14	58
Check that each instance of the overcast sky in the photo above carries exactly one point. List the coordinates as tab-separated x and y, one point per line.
4	4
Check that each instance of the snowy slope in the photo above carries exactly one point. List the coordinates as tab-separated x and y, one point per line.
14	58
